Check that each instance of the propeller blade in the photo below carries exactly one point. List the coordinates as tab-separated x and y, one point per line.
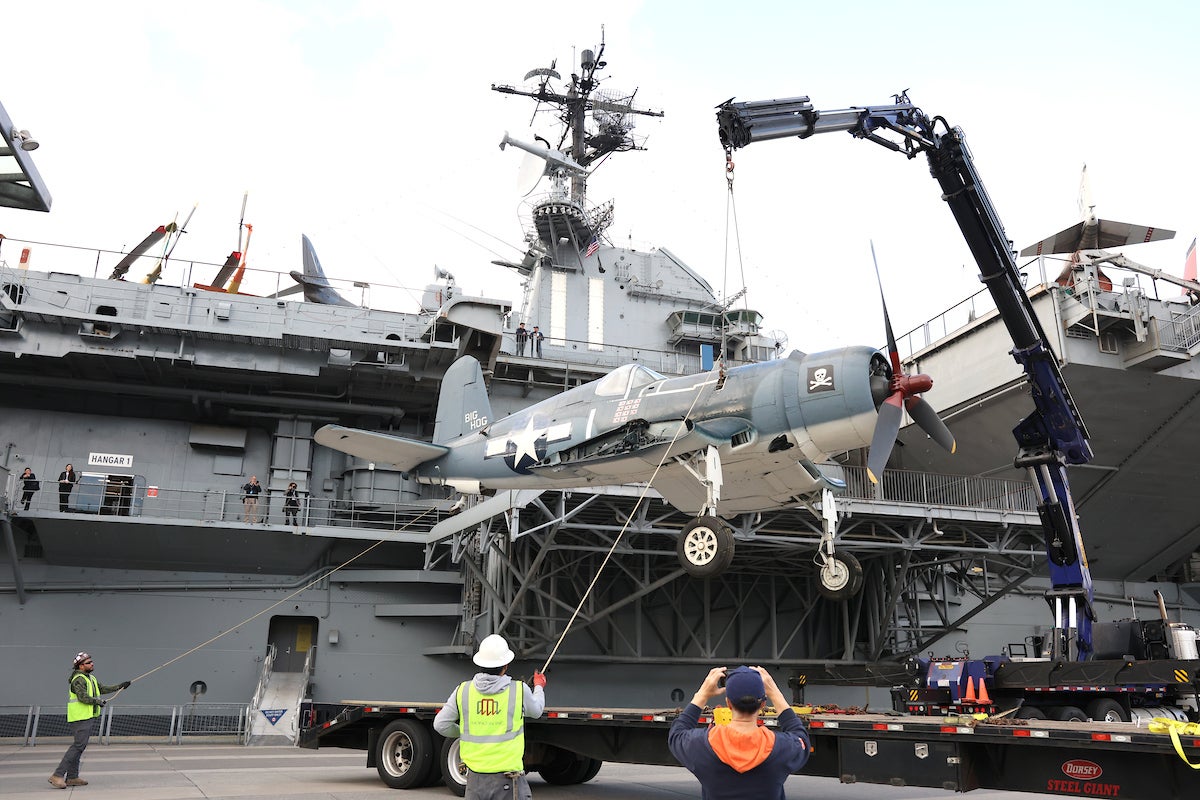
893	351
924	415
887	427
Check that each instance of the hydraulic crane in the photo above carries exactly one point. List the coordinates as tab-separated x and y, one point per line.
1053	436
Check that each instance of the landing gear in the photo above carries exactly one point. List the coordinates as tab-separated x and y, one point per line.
840	575
705	547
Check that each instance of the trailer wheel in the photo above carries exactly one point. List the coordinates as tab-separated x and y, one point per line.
1030	712
841	578
1068	714
568	769
1105	709
405	754
592	770
454	771
705	547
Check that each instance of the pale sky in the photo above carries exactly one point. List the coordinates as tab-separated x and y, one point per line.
371	127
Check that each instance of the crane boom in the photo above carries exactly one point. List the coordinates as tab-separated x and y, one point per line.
1054	434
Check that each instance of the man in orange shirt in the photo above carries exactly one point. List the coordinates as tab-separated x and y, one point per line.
744	758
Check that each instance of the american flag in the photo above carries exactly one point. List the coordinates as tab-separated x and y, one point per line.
593	246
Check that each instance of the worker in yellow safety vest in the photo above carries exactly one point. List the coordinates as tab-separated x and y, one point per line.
83	707
487	715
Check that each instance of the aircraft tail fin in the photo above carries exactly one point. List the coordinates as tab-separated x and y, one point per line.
313	281
463	405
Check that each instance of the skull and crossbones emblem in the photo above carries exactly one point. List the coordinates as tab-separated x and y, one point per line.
820	379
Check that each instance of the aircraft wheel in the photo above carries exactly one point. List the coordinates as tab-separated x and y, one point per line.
705	547
841	577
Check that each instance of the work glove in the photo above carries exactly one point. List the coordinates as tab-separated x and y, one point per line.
102	703
539	679
124	684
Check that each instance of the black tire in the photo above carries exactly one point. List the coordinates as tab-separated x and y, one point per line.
1105	709
841	578
1068	714
568	769
404	754
705	547
592	770
1030	712
434	778
454	772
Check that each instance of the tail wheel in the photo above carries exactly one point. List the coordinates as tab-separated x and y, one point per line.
405	754
705	547
454	771
840	577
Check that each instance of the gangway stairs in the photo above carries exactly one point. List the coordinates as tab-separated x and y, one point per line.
275	708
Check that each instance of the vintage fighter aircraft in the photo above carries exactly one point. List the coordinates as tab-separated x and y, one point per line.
723	442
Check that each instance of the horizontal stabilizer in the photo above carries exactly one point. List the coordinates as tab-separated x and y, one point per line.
383	448
1101	233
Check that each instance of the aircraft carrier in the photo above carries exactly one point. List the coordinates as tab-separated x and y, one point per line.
167	398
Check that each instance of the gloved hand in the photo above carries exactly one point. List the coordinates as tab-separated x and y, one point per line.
539	679
102	703
124	684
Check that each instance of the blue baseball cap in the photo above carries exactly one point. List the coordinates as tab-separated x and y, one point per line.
744	682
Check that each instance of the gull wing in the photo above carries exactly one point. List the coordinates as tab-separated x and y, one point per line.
753	482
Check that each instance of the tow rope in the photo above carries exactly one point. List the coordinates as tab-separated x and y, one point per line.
1176	728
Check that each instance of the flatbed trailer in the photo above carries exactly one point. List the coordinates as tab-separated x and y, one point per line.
957	753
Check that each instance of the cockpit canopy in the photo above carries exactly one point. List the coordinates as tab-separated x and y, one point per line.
626	380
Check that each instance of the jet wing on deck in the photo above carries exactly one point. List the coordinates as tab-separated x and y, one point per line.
383	448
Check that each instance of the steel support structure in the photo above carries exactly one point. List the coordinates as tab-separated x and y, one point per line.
927	571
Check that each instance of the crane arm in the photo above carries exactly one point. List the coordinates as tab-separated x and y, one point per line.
1054	434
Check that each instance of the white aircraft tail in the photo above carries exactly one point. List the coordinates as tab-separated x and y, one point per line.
463	405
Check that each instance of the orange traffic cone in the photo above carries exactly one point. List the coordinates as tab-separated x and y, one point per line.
984	700
970	698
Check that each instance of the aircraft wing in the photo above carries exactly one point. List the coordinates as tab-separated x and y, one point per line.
750	483
383	448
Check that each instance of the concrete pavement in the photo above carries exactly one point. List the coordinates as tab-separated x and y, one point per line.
231	772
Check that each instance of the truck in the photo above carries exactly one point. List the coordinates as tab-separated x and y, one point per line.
957	723
955	752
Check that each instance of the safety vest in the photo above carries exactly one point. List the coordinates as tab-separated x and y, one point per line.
77	710
492	729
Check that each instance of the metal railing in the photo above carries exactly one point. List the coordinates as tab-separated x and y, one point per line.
171	724
264	677
224	505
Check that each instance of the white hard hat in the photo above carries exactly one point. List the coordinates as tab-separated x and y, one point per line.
493	652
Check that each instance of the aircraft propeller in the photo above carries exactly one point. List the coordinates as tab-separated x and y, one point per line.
903	390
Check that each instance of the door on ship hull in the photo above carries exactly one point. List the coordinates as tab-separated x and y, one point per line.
292	637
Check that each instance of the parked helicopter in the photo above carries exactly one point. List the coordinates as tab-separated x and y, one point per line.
727	441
